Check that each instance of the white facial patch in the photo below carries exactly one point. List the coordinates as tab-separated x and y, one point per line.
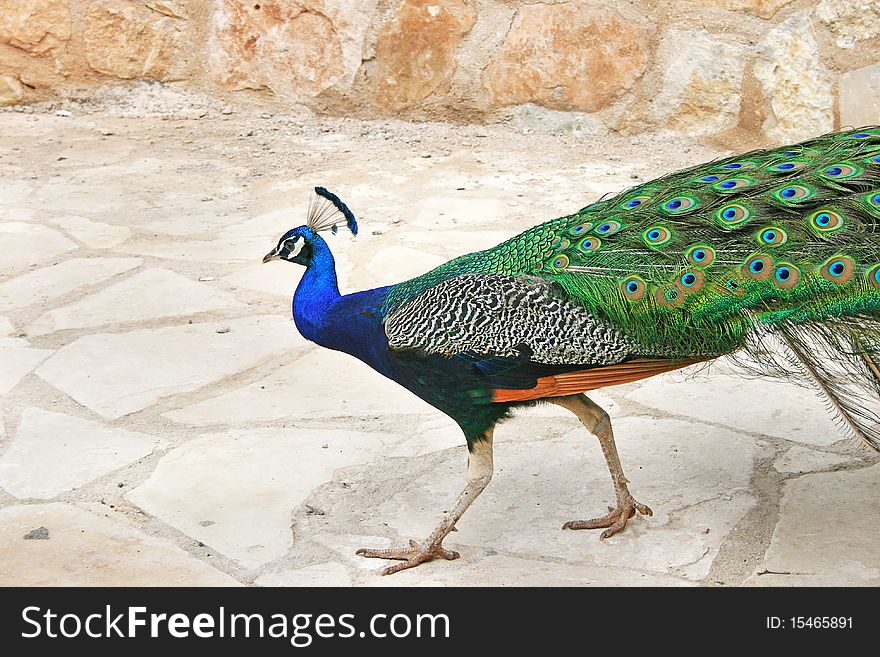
295	248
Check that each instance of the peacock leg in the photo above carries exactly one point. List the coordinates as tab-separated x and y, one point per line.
479	474
597	422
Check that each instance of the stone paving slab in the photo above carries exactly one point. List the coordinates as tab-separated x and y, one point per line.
85	549
120	373
47	283
223	488
18	360
149	294
307	389
789	411
827	533
26	245
93	233
52	453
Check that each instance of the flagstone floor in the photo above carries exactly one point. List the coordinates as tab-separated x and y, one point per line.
163	423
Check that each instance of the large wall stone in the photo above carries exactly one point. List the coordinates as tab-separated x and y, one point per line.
860	97
417	51
293	48
796	84
851	21
128	41
702	83
36	26
10	90
570	56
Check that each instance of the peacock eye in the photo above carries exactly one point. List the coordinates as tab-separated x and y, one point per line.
841	171
656	235
703	256
786	276
873	276
680	204
732	184
825	222
609	228
773	237
758	267
838	270
633	288
794	193
732	215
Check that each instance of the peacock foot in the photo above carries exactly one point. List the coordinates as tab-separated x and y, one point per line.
614	520
411	556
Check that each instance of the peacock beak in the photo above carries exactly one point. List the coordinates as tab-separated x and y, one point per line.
272	255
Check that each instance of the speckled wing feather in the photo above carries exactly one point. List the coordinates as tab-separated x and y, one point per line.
483	314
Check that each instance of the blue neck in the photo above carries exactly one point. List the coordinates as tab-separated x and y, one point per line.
317	292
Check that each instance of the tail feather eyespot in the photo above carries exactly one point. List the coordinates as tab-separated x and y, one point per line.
758	267
842	171
701	256
824	222
609	227
581	229
589	244
656	236
669	296
633	288
838	269
691	281
736	166
558	262
635	202
786	276
787	166
732	215
679	205
793	194
873	276
732	184
773	236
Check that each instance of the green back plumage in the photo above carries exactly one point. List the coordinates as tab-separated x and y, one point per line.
691	263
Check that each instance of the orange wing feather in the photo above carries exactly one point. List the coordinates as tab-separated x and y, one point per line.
572	383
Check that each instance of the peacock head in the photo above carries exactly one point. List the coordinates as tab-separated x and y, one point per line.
298	244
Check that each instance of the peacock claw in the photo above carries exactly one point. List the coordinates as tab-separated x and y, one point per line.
411	556
614	520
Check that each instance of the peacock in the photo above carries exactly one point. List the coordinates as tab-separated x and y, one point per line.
771	257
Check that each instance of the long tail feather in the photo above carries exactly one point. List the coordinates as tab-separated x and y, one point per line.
840	360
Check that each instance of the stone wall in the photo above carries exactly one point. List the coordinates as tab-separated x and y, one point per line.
720	69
